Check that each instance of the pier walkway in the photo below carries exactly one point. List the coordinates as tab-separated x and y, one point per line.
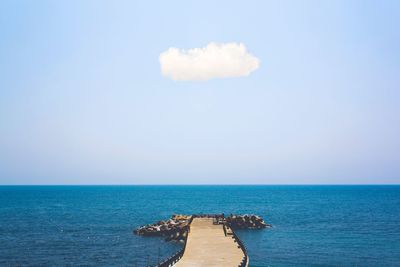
207	245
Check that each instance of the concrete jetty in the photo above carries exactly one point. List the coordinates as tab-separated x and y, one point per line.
209	244
209	239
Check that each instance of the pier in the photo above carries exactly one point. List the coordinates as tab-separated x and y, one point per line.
209	244
209	239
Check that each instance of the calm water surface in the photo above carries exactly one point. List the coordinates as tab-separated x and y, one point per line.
92	225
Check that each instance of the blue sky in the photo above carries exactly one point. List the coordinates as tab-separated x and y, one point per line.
83	101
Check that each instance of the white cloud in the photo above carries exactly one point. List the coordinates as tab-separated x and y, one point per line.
213	61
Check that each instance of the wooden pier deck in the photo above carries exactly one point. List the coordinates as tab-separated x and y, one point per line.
207	245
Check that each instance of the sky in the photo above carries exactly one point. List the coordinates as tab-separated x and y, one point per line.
83	99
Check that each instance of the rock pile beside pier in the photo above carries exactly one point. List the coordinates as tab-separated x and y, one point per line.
246	222
176	228
173	229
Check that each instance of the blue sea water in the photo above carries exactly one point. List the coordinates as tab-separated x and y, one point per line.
92	225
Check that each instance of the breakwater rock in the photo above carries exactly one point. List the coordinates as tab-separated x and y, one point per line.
175	228
246	222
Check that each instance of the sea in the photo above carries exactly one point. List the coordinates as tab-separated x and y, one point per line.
93	225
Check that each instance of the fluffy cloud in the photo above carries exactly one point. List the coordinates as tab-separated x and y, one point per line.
213	61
